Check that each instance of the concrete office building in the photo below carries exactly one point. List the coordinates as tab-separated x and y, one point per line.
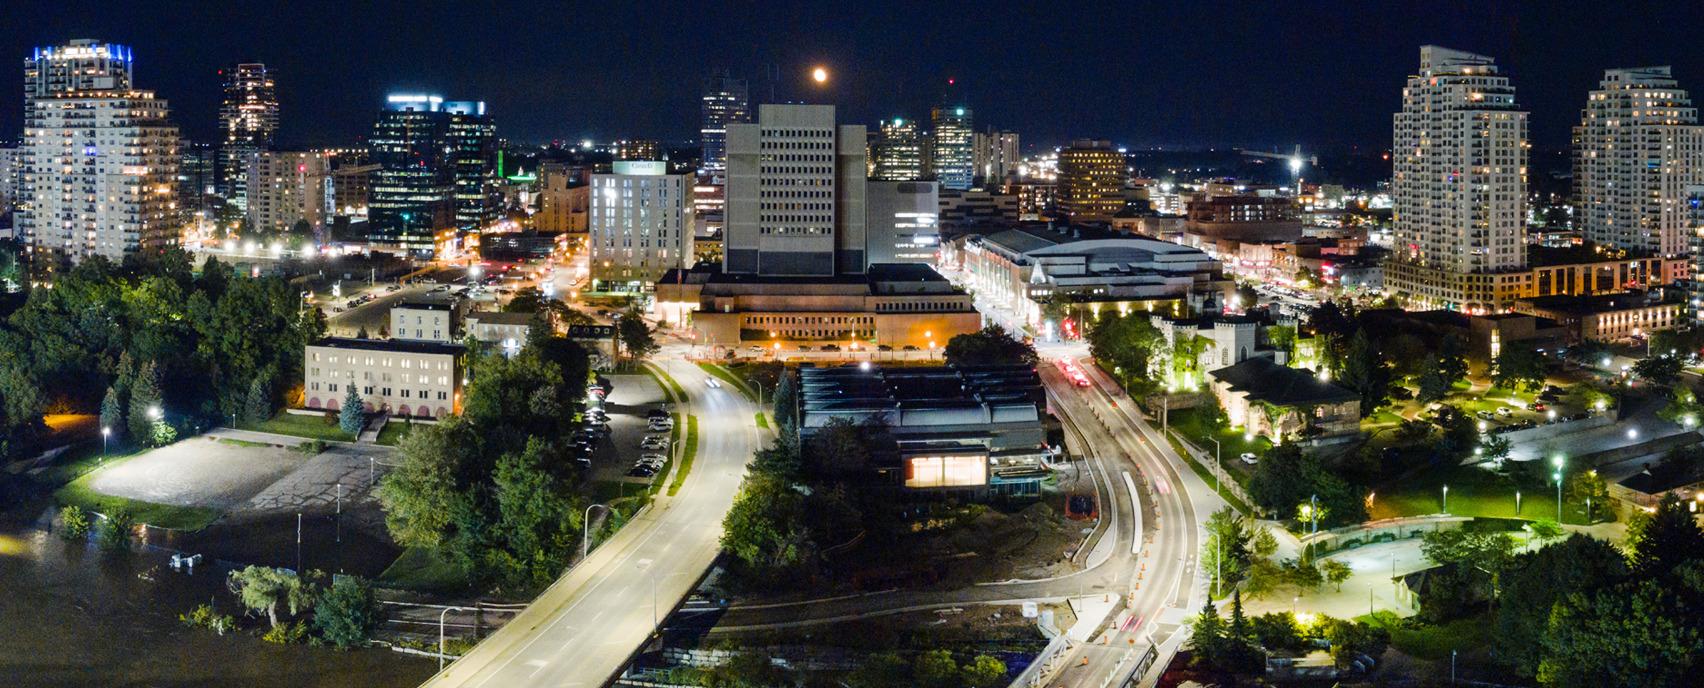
898	152
436	162
795	194
995	156
1459	183
285	187
1637	150
724	102
424	321
1091	181
903	222
641	225
248	120
11	164
99	157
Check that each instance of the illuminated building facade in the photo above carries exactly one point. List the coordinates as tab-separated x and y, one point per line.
435	169
724	102
641	225
1637	150
248	121
1091	181
951	156
995	156
99	158
898	152
285	187
903	222
1459	151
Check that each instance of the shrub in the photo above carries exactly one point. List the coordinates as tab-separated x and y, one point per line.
286	634
311	447
114	531
347	613
73	523
204	616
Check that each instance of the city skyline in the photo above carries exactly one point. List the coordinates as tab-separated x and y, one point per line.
551	80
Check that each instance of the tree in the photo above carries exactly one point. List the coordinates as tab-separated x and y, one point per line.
1517	365
1452	360
1227	552
261	589
636	336
1277	632
1207	635
1350	639
112	413
537	525
936	669
145	409
1124	345
841	447
1588	485
880	671
1432	383
983	672
786	402
1534	583
73	523
764	531
352	416
1336	572
1662	370
115	530
1638	633
347	613
1287	477
420	494
1666	538
1364	371
991	345
258	406
1494	447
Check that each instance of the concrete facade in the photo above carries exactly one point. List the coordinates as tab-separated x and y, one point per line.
404	378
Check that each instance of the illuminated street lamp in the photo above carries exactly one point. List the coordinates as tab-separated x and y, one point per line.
154	412
105	433
1558	462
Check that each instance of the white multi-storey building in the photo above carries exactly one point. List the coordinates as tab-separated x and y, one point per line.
1459	150
284	187
100	174
1636	151
795	194
640	224
995	155
404	378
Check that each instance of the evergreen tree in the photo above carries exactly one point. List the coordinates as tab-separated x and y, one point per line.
786	401
1666	539
1208	635
258	406
352	416
1365	372
145	404
112	413
1432	380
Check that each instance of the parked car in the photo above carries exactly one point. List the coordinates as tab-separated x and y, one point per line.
831	347
652	458
656	443
641	472
1503	412
656	413
1249	458
883	347
909	347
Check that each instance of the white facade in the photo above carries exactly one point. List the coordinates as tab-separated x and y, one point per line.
641	224
995	155
795	194
1459	168
284	187
100	174
1636	150
404	378
423	322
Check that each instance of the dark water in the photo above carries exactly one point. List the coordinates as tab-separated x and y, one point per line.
72	615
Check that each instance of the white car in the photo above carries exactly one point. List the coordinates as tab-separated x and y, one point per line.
660	424
712	383
1249	458
652	458
657	443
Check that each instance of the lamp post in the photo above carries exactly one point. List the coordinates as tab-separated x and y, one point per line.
1558	462
105	433
1446	501
585	523
441	616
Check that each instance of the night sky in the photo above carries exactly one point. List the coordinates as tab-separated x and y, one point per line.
1325	75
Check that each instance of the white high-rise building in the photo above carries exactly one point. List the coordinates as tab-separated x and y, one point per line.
1637	149
285	187
640	226
795	194
100	158
995	155
1459	150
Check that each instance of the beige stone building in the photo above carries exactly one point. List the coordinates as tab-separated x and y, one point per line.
403	378
506	329
425	322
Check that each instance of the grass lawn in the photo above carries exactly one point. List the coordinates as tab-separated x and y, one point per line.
762	423
311	427
1432	642
421	569
687	454
187	518
393	433
1473	492
241	443
1190	424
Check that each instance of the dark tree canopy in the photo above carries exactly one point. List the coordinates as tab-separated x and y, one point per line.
991	345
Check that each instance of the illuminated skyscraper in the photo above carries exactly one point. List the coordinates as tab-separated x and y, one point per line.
1636	153
99	157
640	225
435	171
249	120
898	152
724	103
473	145
1458	181
952	155
1091	180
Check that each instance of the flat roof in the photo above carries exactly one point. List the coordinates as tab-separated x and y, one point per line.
1596	303
423	306
400	346
500	318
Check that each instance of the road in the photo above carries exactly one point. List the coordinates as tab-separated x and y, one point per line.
583	629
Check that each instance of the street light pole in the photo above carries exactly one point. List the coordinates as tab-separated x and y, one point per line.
441	616
585	523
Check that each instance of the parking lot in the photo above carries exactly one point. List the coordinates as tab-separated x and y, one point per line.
613	454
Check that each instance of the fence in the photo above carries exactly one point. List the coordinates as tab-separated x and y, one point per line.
1044	665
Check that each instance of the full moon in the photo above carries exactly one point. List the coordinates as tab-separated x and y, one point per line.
819	75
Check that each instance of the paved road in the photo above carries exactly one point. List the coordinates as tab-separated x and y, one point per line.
585	627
